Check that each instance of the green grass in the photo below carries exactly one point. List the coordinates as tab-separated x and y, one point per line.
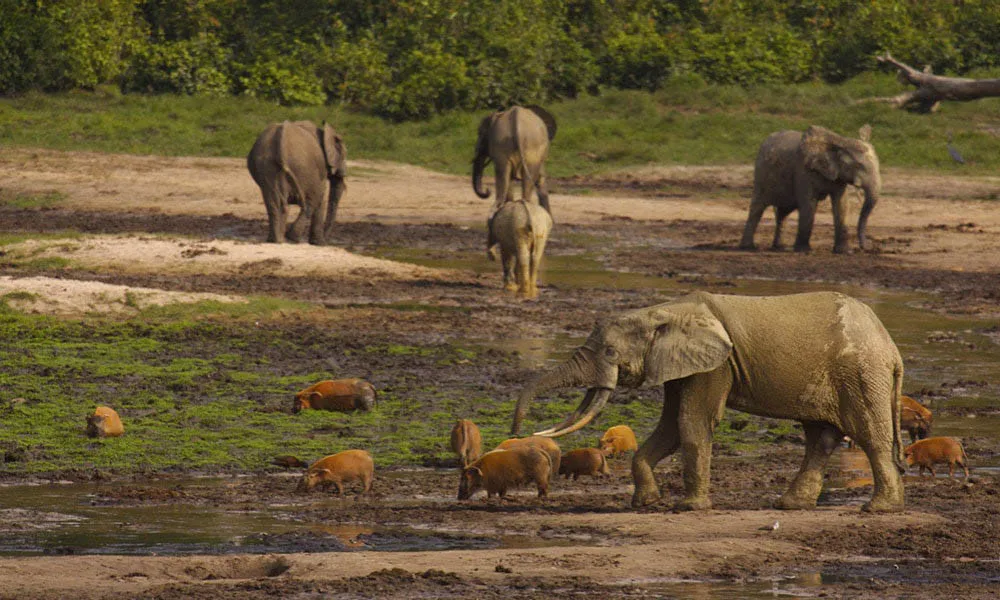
214	394
688	122
24	200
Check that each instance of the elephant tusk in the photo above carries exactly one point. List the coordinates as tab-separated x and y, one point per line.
576	421
587	399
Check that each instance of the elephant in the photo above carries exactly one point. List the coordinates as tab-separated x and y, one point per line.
821	358
794	171
299	163
521	229
517	141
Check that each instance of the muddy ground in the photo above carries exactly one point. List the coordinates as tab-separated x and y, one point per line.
677	226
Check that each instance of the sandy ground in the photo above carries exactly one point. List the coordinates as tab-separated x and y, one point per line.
158	229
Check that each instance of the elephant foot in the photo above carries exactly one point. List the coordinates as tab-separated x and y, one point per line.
645	497
804	249
882	505
795	502
491	254
693	503
777	247
510	287
844	249
748	246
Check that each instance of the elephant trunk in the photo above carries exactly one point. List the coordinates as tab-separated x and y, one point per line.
478	165
567	374
872	191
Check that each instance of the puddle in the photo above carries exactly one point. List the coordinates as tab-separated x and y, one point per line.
68	519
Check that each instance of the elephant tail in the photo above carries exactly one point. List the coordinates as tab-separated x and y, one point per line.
897	405
526	173
299	197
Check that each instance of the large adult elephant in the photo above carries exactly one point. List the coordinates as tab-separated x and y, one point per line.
794	171
296	162
517	141
822	358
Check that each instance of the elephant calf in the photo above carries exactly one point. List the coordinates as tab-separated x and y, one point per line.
794	171
521	229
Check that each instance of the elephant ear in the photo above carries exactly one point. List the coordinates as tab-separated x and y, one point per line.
546	117
686	342
819	153
333	151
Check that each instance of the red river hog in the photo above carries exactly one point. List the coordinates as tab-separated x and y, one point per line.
466	442
336	394
340	470
104	422
547	445
915	418
927	453
584	461
499	470
618	440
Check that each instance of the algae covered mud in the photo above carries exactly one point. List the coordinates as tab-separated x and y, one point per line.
187	503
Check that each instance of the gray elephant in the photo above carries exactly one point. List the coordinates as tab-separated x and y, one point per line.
299	163
822	358
794	171
517	141
521	229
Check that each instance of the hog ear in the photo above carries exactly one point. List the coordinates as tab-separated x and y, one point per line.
320	472
476	471
315	396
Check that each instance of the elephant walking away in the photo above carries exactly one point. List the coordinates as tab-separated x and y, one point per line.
822	358
521	229
794	171
517	141
299	163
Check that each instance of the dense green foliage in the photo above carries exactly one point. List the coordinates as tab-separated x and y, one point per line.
686	122
412	58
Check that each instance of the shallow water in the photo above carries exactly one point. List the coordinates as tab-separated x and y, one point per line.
71	519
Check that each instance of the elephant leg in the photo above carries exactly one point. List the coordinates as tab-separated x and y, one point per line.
502	176
753	219
277	215
491	239
537	251
807	213
663	442
701	409
337	189
297	228
888	496
522	266
317	226
839	228
779	219
507	260
821	440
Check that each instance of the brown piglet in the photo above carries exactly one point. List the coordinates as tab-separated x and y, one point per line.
340	469
584	461
546	444
618	440
336	394
466	442
104	422
499	470
935	450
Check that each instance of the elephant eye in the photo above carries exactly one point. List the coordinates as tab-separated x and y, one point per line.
610	353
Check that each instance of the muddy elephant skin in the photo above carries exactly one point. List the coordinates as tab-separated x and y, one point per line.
822	358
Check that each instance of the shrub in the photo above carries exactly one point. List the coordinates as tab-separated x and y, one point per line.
195	66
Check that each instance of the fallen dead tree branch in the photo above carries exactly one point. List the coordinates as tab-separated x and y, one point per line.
932	89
